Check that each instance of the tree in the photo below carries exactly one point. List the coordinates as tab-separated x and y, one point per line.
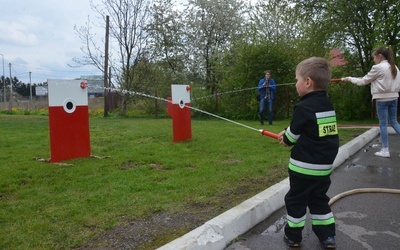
359	26
282	23
276	21
212	28
128	21
166	33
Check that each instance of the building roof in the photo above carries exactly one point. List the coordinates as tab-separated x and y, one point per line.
95	83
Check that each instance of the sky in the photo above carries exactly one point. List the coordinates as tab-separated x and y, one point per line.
38	38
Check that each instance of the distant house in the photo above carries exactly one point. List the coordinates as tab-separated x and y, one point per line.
96	89
337	58
95	85
41	90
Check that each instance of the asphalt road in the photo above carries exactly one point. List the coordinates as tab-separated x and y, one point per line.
363	221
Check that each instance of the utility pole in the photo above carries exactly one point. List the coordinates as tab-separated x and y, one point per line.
106	106
4	81
11	92
30	85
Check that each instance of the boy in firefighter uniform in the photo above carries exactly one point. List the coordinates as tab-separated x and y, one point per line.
314	136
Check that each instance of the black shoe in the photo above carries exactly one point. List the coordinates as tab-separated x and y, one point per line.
329	243
290	243
262	123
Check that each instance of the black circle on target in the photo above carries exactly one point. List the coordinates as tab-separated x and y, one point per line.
69	105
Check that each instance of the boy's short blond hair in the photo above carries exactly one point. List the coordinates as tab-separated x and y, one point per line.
317	69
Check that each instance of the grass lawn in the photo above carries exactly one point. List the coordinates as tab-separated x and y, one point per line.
51	206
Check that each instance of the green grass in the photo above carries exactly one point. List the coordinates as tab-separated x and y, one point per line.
51	206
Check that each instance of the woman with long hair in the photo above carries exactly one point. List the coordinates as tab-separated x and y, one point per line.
384	78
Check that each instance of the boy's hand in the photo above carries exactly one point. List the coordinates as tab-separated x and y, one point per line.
280	138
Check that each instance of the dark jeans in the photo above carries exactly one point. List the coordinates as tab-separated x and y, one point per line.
264	102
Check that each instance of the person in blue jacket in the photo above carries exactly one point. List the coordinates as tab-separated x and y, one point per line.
266	89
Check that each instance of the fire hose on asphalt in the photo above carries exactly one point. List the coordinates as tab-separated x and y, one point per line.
363	190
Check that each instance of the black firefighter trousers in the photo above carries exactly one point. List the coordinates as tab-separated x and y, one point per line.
309	193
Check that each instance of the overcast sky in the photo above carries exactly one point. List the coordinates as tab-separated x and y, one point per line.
38	36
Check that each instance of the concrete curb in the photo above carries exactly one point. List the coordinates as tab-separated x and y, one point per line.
218	232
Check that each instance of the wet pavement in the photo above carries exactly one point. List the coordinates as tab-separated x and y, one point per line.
363	220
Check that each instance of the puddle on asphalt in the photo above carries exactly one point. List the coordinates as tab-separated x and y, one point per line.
375	170
353	166
276	227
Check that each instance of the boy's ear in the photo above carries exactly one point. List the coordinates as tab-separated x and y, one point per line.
309	82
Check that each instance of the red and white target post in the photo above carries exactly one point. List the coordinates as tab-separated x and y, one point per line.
68	119
179	109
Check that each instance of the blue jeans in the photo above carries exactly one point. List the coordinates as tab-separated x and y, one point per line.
387	111
263	103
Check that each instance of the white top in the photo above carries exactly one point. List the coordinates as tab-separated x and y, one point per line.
382	83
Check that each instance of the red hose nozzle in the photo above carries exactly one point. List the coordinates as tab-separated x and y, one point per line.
268	133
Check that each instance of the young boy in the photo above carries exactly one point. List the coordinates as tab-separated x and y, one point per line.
314	137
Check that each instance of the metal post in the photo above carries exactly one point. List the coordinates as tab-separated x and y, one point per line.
30	85
11	92
4	81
